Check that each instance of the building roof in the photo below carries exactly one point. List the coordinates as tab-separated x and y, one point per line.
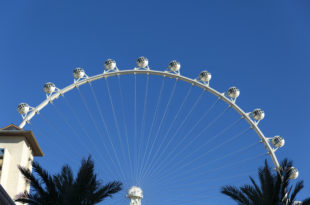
11	127
13	130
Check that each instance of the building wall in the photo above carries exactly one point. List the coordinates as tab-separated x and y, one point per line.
17	152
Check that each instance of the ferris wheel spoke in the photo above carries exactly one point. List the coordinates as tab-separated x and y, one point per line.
173	176
152	125
102	118
59	132
215	137
41	132
210	139
144	106
210	185
135	126
230	154
183	198
193	139
215	160
75	132
211	181
125	125
172	123
178	167
139	149
190	131
217	178
168	162
62	116
215	120
81	125
188	114
99	132
195	198
116	124
225	142
159	128
208	191
198	192
193	128
84	130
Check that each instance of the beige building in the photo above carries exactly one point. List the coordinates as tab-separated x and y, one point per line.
17	147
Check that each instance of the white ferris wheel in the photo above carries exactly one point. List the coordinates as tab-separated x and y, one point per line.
172	136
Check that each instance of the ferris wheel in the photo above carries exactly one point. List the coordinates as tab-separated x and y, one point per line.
157	131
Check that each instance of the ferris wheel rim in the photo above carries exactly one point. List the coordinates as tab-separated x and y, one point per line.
88	79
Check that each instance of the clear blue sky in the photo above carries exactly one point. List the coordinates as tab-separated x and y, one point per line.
262	47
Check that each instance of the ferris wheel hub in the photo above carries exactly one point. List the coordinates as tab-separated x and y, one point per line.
135	194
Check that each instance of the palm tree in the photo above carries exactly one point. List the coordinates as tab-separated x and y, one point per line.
64	188
274	189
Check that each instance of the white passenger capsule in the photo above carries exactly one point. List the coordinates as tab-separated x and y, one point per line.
233	92
205	76
174	66
110	64
258	114
278	141
49	88
78	73
142	62
294	173
23	108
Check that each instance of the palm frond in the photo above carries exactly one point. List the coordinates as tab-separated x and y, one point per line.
34	182
299	186
256	187
234	193
274	188
64	188
251	193
27	198
45	177
107	190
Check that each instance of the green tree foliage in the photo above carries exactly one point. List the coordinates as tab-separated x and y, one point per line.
64	188
274	188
